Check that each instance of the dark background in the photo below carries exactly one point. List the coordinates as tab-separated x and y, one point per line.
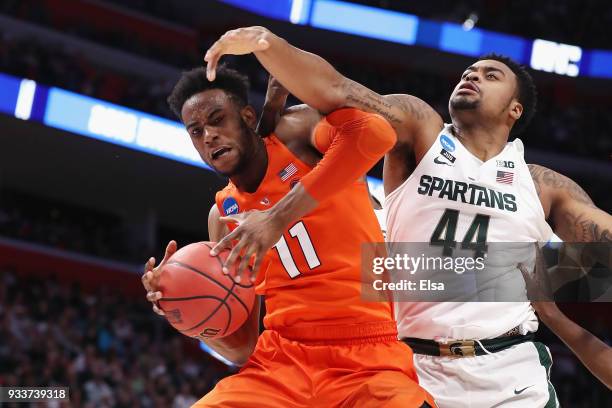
78	217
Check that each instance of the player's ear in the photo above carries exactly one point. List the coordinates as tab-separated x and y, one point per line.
249	116
516	110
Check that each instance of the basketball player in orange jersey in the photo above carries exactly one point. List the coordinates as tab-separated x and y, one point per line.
323	346
493	360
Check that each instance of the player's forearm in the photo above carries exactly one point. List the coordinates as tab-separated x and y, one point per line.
238	346
307	76
579	222
594	353
293	206
273	107
358	140
270	116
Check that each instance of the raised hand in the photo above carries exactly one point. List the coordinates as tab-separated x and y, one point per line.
235	42
256	233
150	277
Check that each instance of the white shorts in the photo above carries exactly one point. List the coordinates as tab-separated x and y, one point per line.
518	377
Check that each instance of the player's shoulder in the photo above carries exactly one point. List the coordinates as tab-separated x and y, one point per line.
554	186
216	228
225	192
414	107
420	122
297	122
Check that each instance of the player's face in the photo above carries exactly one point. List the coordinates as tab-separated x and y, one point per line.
487	86
219	130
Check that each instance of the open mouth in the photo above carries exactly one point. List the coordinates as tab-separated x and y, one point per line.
219	152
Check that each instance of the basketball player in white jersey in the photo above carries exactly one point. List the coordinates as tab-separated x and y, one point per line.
464	174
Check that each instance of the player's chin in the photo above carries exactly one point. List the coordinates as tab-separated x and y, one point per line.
226	165
226	169
464	101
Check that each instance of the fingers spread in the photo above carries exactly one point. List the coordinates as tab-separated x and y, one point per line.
149	265
233	256
226	242
245	259
259	257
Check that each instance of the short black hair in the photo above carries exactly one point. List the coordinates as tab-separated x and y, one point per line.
195	81
527	93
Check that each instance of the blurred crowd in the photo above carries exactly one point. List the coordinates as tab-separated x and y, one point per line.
62	226
587	23
71	70
108	348
77	229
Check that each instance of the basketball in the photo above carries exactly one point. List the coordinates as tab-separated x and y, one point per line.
198	299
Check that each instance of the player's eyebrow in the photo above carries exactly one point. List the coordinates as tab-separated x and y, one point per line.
491	68
195	122
486	68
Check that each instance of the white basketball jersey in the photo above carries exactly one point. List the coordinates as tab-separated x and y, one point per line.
450	180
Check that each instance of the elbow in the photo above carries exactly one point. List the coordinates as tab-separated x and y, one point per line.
372	133
334	96
240	358
388	136
239	355
380	139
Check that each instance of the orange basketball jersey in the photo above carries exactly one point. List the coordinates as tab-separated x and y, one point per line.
312	277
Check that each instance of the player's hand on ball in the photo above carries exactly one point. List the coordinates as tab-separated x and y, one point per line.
256	233
150	277
235	42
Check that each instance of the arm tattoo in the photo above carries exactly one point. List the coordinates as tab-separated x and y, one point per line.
584	229
536	171
412	106
543	177
363	98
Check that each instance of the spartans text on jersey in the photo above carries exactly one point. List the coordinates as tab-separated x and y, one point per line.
467	193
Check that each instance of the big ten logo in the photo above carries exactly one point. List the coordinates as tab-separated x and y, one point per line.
562	59
508	164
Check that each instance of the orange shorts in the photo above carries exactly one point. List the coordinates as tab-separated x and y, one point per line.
287	373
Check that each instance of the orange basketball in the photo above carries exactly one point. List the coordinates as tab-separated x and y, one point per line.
198	299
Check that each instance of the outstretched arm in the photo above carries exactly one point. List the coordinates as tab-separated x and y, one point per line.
594	353
314	81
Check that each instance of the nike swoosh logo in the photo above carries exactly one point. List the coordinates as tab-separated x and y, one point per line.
517	392
438	161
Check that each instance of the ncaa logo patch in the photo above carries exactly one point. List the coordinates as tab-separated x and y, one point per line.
230	206
447	143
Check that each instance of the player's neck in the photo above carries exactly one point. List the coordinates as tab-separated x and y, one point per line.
254	171
483	142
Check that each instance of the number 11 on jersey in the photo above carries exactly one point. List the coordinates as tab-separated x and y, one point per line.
284	253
